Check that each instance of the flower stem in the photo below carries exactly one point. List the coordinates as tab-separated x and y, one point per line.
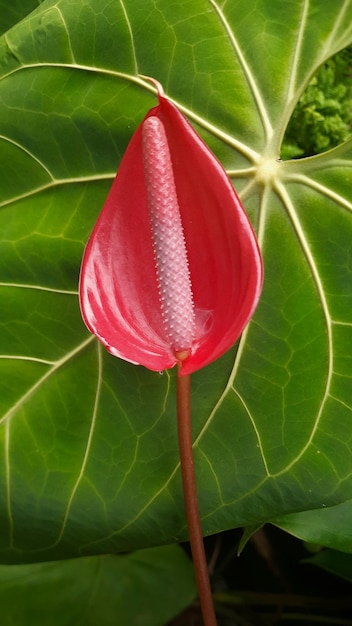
191	499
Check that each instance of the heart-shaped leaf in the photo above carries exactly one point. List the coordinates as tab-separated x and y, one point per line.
89	450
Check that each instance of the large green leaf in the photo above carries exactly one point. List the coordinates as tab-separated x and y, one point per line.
89	451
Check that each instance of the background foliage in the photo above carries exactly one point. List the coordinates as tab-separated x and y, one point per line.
323	116
89	460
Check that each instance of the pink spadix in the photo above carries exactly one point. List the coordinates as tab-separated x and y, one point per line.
172	272
175	289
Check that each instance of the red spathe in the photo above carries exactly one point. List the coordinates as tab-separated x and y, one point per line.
119	297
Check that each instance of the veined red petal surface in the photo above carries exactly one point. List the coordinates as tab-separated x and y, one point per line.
122	293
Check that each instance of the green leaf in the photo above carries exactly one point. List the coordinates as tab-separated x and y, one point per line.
145	588
89	460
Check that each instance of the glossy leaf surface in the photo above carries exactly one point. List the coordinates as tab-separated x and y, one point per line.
119	293
89	460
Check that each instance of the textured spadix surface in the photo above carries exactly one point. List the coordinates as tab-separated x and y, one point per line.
170	252
89	458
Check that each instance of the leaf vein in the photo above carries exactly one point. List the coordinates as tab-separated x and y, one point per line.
66	31
129	26
29	153
320	290
292	89
88	444
32	390
40	288
268	129
322	189
57	183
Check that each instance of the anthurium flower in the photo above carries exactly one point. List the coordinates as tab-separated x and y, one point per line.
172	272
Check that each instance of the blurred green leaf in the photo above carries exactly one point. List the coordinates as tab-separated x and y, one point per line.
329	527
89	449
323	116
336	563
145	588
14	11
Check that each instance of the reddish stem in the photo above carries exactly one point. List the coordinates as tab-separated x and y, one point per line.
191	499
